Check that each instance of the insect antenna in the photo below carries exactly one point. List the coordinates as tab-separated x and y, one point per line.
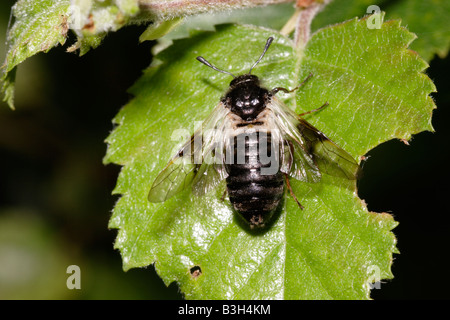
204	61
269	41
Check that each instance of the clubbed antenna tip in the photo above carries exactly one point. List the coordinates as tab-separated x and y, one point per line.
268	43
205	62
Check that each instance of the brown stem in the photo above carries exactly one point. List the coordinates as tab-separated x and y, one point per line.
168	9
305	17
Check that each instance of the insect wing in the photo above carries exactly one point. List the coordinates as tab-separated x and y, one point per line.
310	152
176	176
295	158
188	167
207	177
330	158
212	169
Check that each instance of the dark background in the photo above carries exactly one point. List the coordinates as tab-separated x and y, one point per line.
55	193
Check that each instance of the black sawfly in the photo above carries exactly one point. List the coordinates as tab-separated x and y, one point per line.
256	143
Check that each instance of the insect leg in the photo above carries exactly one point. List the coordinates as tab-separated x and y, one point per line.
315	110
275	90
288	184
224	195
304	81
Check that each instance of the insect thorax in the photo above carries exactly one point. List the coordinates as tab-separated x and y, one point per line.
246	98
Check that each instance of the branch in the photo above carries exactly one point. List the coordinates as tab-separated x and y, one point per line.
169	9
304	19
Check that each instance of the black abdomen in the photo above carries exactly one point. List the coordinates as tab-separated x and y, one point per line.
255	183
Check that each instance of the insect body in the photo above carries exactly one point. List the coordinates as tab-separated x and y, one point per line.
255	142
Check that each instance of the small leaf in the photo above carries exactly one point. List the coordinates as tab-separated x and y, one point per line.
273	16
41	25
38	27
330	250
92	20
159	29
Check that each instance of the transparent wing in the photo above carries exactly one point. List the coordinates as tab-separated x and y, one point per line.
198	163
212	169
306	152
176	176
330	158
296	159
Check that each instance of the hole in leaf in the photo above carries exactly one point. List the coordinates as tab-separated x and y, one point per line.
196	272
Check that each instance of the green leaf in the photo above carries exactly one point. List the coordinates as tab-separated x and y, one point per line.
92	20
159	29
373	79
273	16
334	247
38	27
41	25
427	19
